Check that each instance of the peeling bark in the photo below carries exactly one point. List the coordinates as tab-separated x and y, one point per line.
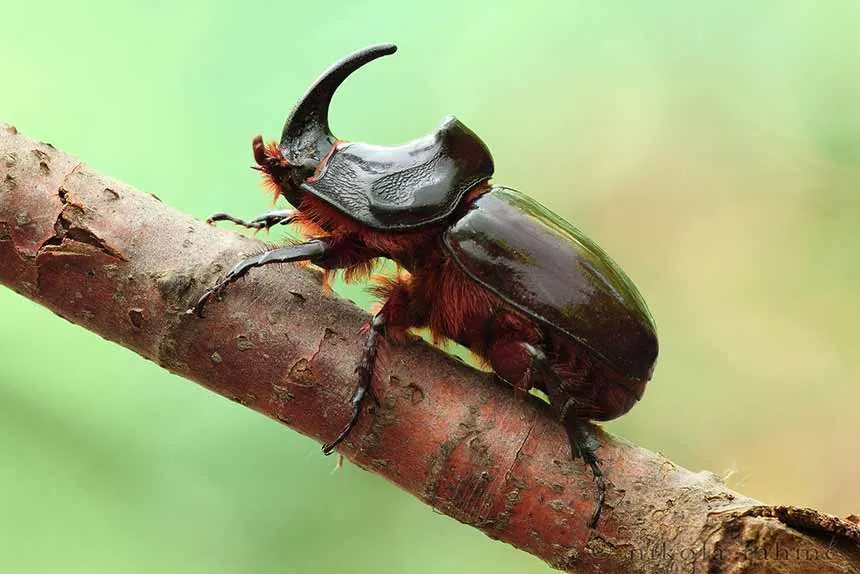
121	263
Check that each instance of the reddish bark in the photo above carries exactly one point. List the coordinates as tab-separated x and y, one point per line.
121	263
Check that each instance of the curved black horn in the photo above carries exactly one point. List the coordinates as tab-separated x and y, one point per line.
306	138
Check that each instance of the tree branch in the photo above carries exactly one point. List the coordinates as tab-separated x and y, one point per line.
121	263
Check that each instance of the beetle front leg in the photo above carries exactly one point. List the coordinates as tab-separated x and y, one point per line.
582	443
313	251
264	221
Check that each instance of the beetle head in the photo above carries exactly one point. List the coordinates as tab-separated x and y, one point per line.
306	138
279	176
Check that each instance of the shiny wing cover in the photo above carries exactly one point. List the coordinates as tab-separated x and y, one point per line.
549	270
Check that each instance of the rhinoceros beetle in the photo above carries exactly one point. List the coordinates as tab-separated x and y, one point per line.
488	267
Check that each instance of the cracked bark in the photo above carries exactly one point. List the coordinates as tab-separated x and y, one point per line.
121	263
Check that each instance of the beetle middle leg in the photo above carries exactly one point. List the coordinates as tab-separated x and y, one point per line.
365	378
400	312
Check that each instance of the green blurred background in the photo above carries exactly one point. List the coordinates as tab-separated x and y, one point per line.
711	148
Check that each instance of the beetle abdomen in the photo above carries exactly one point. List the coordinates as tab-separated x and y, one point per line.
549	270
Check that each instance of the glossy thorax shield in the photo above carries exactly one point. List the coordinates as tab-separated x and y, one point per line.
405	186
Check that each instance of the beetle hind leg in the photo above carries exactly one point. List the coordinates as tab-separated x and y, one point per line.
582	443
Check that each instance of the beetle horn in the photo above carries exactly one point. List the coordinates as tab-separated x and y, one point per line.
306	138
